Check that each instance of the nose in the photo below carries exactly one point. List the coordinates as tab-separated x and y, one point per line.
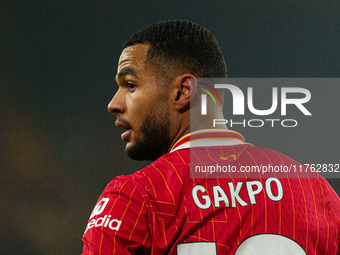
116	105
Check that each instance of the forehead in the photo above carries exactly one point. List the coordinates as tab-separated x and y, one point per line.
132	57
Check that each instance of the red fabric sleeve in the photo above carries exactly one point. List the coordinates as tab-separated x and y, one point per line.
118	223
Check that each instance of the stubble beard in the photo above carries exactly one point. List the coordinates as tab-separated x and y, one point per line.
156	137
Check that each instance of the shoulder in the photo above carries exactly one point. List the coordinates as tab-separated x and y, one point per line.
171	167
164	166
271	155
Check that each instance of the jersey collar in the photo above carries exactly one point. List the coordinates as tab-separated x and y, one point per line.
208	138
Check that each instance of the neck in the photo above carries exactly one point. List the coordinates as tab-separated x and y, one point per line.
189	125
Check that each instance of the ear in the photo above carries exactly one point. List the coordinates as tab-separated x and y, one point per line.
185	90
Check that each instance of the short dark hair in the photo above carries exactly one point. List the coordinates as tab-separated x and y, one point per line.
181	46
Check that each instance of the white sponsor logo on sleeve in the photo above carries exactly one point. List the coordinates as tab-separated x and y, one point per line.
99	208
105	221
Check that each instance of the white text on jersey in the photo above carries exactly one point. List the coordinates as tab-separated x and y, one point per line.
204	201
104	222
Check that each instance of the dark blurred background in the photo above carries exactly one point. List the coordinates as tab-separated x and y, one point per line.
59	146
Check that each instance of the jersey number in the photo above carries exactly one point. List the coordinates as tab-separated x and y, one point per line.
263	244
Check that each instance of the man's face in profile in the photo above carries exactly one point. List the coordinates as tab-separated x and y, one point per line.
141	106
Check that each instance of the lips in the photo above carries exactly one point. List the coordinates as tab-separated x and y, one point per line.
126	136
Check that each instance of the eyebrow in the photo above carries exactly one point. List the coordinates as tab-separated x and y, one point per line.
126	71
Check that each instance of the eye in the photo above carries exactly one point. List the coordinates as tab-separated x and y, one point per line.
131	86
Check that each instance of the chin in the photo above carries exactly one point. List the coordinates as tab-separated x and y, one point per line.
142	153
128	147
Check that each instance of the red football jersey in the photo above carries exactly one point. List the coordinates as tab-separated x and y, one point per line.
208	199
